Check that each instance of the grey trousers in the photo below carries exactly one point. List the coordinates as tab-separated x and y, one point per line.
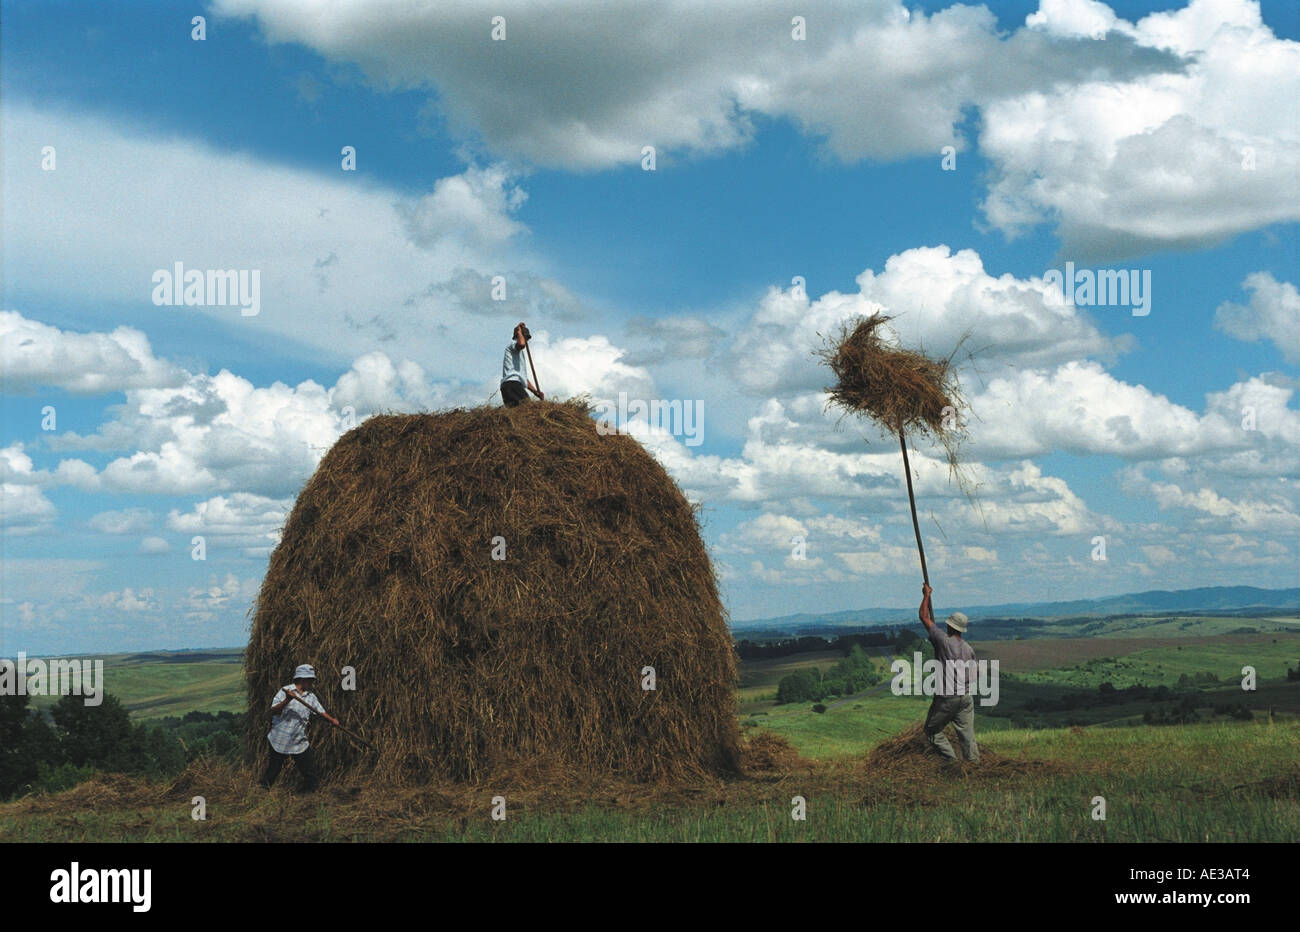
960	711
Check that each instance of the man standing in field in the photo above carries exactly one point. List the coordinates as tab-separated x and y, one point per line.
291	708
514	373
952	702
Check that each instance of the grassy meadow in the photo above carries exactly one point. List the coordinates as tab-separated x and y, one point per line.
1216	778
160	684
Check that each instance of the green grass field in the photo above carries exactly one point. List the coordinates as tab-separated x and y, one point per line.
1193	783
1194	626
758	678
1223	656
173	686
1216	780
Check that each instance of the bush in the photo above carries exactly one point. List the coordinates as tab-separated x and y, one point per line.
799	686
852	674
1182	714
17	760
90	734
54	778
103	737
1239	710
89	739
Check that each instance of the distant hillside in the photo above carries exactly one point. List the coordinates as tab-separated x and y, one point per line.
1211	600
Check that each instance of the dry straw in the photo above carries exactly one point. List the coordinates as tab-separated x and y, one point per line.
908	757
467	666
899	389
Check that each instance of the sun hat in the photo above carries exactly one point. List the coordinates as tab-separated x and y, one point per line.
957	621
307	672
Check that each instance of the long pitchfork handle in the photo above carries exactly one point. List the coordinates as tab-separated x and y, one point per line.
341	728
911	498
529	353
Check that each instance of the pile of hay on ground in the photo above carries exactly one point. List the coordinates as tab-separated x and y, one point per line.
467	666
102	792
910	751
766	751
908	743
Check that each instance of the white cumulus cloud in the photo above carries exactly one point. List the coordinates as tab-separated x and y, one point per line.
1272	314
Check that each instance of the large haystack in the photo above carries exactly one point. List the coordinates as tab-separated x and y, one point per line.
467	666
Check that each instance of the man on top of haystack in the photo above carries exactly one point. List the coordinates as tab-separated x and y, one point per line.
514	374
952	702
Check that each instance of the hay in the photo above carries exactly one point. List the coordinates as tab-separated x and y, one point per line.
101	792
356	807
908	743
468	666
899	389
766	751
908	756
893	386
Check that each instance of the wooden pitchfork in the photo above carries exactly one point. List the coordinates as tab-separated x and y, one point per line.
347	731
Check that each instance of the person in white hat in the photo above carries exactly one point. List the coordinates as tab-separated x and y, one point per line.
952	702
290	710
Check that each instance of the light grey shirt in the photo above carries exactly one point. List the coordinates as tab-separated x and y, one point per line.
512	368
957	673
288	733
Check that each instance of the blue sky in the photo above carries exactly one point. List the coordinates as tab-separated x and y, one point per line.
1159	138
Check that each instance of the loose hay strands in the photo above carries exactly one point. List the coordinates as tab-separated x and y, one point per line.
766	751
467	666
909	754
897	388
901	390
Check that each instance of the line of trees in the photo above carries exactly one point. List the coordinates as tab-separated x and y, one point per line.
893	639
1186	712
76	740
1183	713
1179	705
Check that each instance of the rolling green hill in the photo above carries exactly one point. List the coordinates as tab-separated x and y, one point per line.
159	684
1054	619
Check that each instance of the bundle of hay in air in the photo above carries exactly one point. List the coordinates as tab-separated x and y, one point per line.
900	389
467	664
896	387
